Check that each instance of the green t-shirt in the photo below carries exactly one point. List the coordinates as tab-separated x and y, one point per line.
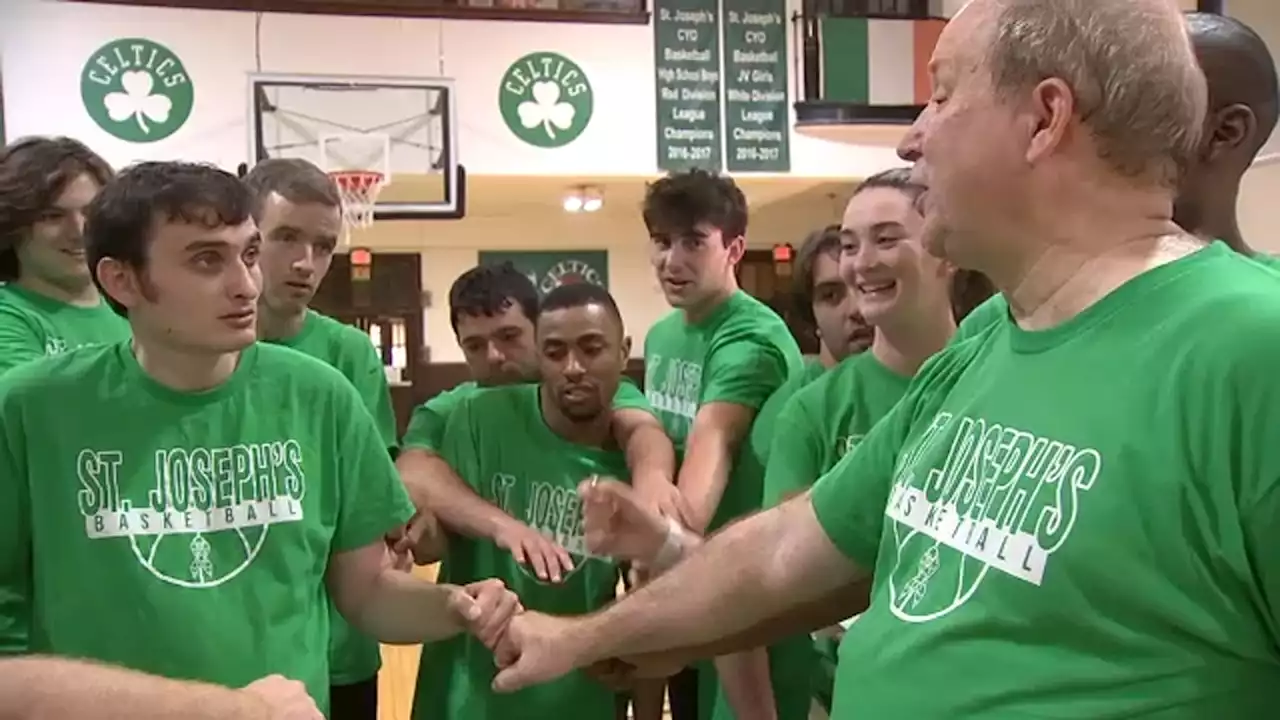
34	326
826	420
428	422
995	309
1080	522
499	443
258	482
741	354
355	656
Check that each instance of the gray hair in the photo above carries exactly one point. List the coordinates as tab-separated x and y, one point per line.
1130	65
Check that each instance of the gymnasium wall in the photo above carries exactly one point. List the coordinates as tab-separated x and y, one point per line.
46	45
1257	203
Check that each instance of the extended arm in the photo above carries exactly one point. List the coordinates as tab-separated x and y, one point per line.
651	458
781	557
717	432
41	688
401	608
436	488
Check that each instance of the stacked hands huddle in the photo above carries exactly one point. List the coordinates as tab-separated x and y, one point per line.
531	647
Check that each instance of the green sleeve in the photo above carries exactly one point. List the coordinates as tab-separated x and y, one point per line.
372	499
428	422
629	397
15	530
459	444
991	312
370	379
851	499
19	342
795	455
743	372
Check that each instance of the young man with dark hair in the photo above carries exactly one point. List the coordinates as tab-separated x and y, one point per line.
299	214
827	302
49	303
493	311
525	448
710	365
233	483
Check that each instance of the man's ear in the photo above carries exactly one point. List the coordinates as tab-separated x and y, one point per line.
626	349
1229	128
737	248
120	282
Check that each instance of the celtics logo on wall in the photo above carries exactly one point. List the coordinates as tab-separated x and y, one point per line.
545	99
549	270
136	90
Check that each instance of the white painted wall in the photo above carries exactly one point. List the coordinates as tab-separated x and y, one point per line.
45	45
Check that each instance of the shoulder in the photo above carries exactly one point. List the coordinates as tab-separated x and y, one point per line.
491	401
752	323
991	312
342	334
1229	317
671	322
449	399
73	372
277	363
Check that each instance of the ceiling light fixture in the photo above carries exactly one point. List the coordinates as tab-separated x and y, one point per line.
583	198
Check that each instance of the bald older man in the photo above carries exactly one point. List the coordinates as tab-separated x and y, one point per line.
1075	515
1244	104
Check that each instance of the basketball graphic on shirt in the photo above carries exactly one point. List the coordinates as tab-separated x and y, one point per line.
975	502
200	516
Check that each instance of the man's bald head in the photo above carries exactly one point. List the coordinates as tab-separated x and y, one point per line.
1240	71
1129	64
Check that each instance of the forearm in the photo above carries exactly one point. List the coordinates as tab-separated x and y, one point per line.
437	489
402	609
37	688
702	481
744	678
821	612
685	606
650	456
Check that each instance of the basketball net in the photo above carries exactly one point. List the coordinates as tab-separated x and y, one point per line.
359	190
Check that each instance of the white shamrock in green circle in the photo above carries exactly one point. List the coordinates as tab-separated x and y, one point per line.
137	101
545	109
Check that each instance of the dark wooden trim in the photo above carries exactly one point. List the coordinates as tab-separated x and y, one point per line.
832	112
1211	6
352	7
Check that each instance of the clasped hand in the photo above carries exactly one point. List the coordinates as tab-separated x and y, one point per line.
533	648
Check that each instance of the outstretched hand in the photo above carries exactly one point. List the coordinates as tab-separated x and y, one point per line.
619	523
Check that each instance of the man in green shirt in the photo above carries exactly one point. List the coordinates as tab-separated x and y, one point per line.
1074	514
299	213
710	366
186	503
525	447
1244	103
493	310
48	302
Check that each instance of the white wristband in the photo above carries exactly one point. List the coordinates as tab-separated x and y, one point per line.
672	547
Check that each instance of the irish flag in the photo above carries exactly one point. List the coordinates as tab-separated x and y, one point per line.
877	62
